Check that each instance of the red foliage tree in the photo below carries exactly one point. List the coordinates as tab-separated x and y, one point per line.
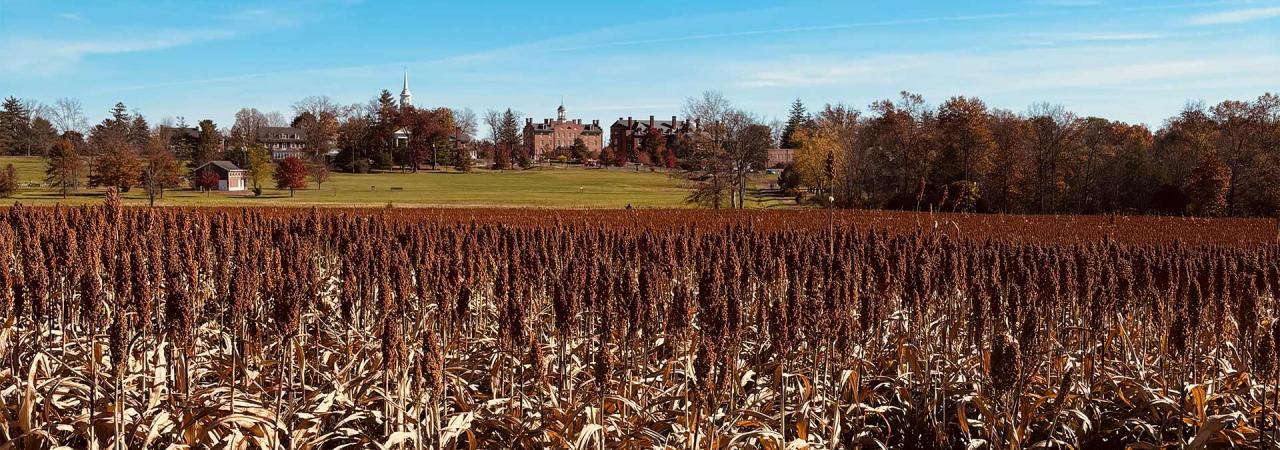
291	174
205	180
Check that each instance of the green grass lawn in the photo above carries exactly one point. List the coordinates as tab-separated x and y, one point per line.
545	187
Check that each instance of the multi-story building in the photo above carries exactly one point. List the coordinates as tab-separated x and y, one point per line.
283	142
542	139
626	135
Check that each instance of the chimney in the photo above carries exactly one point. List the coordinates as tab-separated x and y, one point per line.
528	121
629	122
650	121
673	123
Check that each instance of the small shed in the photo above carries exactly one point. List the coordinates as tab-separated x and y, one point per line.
230	176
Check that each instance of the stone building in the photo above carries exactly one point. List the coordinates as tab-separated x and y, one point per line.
542	139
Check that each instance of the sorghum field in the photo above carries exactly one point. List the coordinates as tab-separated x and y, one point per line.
412	329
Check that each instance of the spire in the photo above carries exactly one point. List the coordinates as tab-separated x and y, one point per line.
560	112
406	97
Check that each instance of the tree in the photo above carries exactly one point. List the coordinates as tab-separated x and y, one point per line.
579	150
965	140
117	165
8	181
244	133
291	174
40	137
1053	133
63	167
462	161
205	180
318	171
161	170
1208	187
208	145
15	126
259	167
797	119
67	115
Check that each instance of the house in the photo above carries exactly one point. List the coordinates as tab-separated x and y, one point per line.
230	177
780	157
543	139
283	142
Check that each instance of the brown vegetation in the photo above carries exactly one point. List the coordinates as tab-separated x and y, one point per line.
280	328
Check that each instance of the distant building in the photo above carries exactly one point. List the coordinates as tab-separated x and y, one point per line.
626	135
542	139
283	142
779	157
230	176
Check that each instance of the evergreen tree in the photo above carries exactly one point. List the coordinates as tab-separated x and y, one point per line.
15	123
796	120
208	146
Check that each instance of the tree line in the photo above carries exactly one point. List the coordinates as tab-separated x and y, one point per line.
1220	160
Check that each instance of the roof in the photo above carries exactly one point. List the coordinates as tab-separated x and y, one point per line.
272	134
224	165
643	125
548	127
191	132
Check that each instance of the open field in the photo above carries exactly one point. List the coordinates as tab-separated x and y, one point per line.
514	328
545	187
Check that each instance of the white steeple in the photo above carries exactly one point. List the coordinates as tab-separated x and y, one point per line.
406	97
560	112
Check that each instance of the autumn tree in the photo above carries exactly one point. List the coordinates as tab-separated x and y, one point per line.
1208	186
1053	132
205	180
64	167
965	142
258	167
161	170
318	171
291	174
8	181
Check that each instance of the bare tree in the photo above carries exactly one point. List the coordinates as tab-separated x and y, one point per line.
1053	131
493	120
318	106
245	130
67	114
465	121
276	119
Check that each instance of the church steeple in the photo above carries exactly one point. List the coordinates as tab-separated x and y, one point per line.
406	97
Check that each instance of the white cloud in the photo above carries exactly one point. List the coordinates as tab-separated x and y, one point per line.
1236	16
45	56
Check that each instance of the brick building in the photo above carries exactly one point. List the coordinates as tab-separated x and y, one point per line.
625	135
542	139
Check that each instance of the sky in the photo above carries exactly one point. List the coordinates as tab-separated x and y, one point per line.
1133	61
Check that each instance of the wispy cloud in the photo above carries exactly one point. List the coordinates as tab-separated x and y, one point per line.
46	56
1066	3
73	16
1236	16
775	31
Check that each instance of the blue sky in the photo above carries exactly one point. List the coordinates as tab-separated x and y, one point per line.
1133	61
